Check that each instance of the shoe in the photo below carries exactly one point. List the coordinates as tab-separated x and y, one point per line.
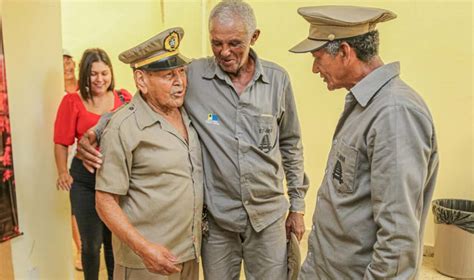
78	262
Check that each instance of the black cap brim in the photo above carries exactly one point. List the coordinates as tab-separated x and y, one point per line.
308	45
167	63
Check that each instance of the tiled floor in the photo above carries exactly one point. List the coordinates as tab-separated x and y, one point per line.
428	271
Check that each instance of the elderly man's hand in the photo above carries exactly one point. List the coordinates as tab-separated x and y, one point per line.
87	152
295	223
159	259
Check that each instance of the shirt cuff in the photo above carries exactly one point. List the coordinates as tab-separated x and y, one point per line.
297	205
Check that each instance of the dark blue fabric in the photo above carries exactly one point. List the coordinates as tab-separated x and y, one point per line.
92	230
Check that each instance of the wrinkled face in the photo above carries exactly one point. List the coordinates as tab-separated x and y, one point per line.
69	67
230	44
165	89
100	78
330	68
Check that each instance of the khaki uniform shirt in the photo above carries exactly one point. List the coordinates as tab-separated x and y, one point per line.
250	142
376	193
158	177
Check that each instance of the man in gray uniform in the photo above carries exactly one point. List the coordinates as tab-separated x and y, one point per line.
244	112
380	175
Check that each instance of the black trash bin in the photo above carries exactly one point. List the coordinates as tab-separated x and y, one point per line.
454	237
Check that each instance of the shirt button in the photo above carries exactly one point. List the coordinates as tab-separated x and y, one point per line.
314	227
334	142
246	202
326	171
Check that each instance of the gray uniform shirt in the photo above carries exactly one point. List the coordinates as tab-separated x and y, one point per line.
159	178
250	142
380	176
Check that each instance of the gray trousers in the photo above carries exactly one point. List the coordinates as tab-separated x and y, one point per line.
264	253
189	271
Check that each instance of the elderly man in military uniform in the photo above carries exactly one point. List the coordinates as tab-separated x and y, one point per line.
373	201
150	186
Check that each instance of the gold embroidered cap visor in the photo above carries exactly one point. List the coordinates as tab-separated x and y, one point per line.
328	23
161	52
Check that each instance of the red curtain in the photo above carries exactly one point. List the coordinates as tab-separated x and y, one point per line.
8	211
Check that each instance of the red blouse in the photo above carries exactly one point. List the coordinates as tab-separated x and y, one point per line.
73	119
76	90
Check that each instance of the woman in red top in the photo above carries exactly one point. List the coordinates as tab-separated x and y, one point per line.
70	86
76	114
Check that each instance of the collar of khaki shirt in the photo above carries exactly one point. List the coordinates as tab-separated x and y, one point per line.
145	116
366	88
214	70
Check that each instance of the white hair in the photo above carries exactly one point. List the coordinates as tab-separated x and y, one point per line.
227	10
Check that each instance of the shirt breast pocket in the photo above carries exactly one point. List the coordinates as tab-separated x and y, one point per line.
265	132
345	168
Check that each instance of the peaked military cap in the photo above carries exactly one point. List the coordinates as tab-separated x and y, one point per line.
161	52
328	23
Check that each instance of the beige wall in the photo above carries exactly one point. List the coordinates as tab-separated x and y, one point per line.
32	40
6	265
111	25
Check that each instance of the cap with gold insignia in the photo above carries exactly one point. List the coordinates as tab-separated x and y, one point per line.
158	53
328	23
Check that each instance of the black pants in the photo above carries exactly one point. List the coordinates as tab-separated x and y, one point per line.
93	231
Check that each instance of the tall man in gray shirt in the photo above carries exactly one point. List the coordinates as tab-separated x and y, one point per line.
244	112
379	180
